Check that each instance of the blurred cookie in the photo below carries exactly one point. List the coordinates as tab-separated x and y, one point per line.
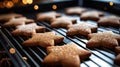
28	29
106	39
7	17
69	55
117	59
117	50
17	21
81	29
62	22
44	39
48	16
74	10
91	15
113	21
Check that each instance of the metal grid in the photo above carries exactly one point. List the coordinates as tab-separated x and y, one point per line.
35	55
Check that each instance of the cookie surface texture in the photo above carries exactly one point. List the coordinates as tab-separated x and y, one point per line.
48	16
113	21
62	22
91	15
44	39
74	10
17	21
7	17
28	29
66	56
82	29
106	39
117	59
117	50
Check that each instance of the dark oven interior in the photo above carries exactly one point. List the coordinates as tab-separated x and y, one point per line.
33	56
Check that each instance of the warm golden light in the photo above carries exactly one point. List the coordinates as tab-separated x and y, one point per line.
8	4
111	3
30	1
24	1
54	7
36	7
27	1
12	51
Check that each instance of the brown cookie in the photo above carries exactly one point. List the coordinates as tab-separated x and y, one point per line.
91	15
117	59
7	17
48	16
74	10
28	29
106	39
62	22
81	29
44	39
113	21
117	50
69	55
17	21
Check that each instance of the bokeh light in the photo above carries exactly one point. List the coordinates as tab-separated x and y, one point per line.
24	1
111	3
27	1
54	7
30	1
8	4
36	7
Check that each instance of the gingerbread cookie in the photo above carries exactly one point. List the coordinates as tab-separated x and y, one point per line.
7	17
44	39
28	29
117	50
69	55
106	39
82	29
113	21
117	59
74	10
17	21
62	22
91	15
48	16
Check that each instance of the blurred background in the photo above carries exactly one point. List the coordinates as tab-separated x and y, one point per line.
44	5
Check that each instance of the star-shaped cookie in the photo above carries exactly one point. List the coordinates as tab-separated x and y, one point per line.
7	17
28	29
63	21
91	15
113	21
48	16
69	55
17	21
117	58
74	10
81	29
117	50
44	39
106	39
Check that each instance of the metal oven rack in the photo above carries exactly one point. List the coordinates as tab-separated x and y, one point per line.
35	55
